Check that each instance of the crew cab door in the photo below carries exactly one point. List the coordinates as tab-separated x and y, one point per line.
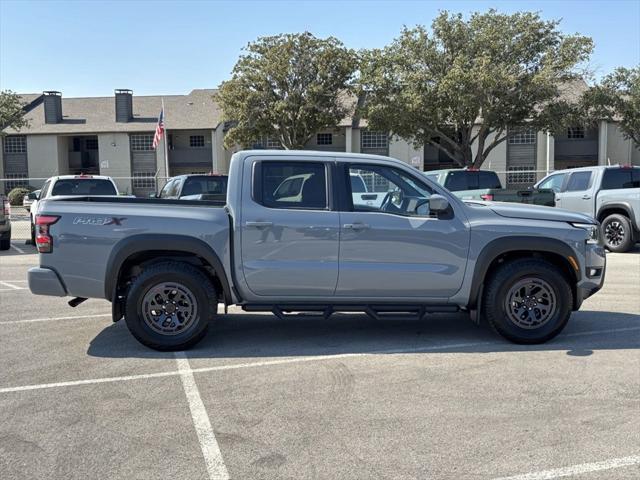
388	250
289	231
577	194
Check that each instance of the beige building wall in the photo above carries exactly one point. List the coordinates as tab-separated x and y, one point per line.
545	154
405	151
115	158
619	149
338	141
497	158
42	155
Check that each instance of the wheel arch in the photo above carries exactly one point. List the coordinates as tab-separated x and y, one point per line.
620	208
503	249
139	250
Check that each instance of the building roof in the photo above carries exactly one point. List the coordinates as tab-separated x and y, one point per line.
197	110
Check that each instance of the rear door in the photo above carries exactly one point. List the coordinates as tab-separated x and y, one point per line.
289	235
577	195
389	251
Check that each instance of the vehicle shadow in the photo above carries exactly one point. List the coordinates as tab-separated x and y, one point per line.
264	335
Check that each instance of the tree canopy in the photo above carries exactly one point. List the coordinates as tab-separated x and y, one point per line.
11	112
287	87
617	98
467	81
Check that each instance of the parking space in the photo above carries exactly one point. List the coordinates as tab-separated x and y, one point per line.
348	397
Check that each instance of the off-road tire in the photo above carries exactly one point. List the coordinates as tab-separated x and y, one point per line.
507	277
622	224
205	300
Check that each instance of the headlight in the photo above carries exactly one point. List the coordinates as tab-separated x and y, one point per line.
592	230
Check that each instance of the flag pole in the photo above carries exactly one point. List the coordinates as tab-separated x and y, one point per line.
166	152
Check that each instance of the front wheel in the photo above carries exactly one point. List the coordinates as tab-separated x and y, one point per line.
617	234
169	306
528	301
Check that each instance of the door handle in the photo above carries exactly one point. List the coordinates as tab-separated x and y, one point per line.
258	224
355	226
586	197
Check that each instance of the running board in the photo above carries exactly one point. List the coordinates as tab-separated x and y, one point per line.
376	312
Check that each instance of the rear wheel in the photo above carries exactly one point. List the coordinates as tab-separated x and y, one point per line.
617	233
169	306
528	301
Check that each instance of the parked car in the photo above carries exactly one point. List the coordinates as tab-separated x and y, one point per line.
362	195
196	187
29	198
473	184
64	185
165	264
5	223
610	194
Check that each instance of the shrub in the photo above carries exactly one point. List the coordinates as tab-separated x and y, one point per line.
16	195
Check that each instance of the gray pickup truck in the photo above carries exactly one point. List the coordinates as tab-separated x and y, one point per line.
609	194
5	223
166	264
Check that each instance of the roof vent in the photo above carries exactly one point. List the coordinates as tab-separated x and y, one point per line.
124	105
52	107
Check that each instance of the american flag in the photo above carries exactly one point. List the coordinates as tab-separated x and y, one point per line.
159	130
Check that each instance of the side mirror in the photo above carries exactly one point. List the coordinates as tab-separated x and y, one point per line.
437	203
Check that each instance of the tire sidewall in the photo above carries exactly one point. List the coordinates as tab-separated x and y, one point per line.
627	242
144	333
552	327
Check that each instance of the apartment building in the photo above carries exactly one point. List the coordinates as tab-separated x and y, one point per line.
113	136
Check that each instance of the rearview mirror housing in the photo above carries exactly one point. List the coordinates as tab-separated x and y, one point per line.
438	203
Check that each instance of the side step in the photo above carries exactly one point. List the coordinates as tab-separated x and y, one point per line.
376	312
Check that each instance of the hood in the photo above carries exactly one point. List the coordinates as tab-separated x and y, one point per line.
537	212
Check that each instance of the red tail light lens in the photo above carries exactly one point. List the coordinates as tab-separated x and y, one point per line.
487	196
44	242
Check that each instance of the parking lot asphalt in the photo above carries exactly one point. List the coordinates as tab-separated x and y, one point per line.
347	397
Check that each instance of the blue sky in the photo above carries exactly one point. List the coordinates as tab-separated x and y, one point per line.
88	48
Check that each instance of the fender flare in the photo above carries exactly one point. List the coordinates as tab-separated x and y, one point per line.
161	242
503	245
626	206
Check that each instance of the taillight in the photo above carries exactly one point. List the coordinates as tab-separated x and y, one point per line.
6	207
44	242
487	196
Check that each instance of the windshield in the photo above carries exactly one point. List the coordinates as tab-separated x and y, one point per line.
84	186
209	185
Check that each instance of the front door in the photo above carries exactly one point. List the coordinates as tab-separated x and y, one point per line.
387	250
289	232
577	195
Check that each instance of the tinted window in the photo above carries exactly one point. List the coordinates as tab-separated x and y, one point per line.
636	178
459	180
554	182
617	178
578	181
488	180
294	185
205	185
75	186
357	184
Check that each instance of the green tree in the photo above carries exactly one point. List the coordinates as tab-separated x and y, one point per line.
11	112
617	98
467	81
287	87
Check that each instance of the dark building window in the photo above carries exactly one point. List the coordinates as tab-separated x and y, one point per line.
196	141
141	143
15	144
373	139
91	144
522	136
324	139
575	132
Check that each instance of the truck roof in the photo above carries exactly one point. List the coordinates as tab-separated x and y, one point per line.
92	177
305	154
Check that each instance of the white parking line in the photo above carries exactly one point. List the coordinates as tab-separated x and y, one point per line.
577	469
208	443
54	319
282	361
17	249
10	286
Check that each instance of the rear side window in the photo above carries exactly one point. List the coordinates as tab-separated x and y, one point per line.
578	181
615	178
205	185
83	186
293	185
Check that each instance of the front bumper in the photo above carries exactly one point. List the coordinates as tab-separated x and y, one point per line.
45	281
592	278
